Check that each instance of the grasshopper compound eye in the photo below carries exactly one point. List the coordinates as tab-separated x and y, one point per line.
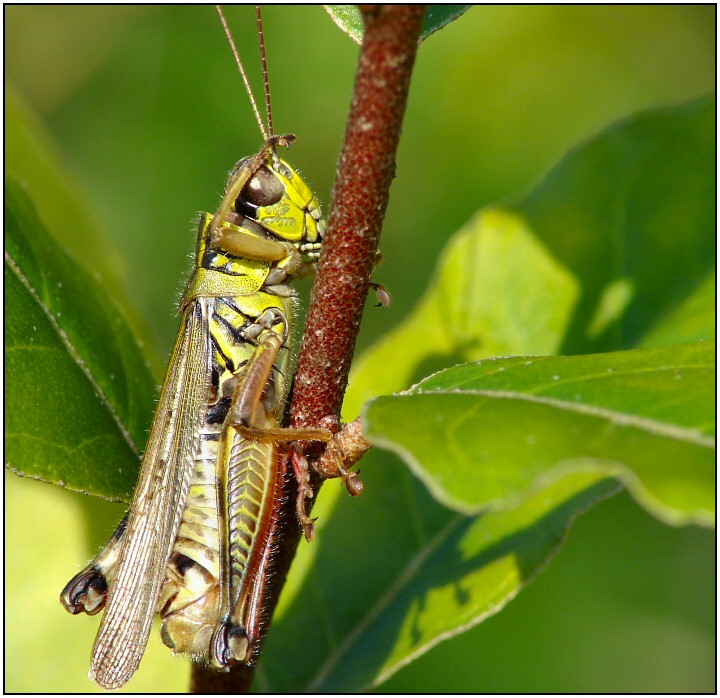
264	188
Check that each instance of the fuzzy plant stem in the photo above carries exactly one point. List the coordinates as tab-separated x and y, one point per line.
360	197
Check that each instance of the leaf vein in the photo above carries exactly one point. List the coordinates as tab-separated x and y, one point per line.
671	431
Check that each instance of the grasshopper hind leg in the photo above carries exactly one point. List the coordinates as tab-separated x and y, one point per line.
230	646
87	591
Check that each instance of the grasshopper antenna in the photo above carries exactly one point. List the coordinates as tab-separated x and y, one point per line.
266	80
243	74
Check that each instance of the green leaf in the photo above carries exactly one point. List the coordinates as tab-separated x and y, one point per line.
130	182
496	292
349	19
77	382
434	574
57	532
487	435
32	159
692	320
631	214
612	246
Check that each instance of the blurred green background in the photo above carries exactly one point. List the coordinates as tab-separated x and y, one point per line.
147	115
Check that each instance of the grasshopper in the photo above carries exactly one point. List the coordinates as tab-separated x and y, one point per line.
197	542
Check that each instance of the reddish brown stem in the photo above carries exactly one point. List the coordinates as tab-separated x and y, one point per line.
210	682
360	197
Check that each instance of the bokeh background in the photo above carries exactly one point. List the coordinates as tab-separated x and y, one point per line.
146	114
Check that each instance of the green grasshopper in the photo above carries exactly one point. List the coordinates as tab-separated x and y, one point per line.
197	542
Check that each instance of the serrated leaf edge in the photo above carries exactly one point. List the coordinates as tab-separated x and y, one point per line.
354	35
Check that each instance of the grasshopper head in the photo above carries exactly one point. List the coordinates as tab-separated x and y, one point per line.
281	203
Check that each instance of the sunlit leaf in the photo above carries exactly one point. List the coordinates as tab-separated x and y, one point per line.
631	214
435	573
612	245
363	550
692	320
496	292
489	434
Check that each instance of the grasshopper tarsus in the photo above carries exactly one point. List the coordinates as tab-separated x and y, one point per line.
304	492
309	532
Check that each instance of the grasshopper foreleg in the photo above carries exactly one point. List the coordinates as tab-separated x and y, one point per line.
305	491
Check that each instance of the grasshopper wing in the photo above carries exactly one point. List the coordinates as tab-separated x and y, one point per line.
157	504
